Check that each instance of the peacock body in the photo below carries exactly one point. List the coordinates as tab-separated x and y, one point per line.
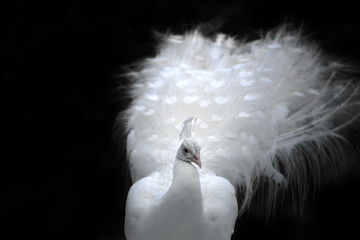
255	103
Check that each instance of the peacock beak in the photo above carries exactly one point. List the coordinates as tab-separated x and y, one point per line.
197	160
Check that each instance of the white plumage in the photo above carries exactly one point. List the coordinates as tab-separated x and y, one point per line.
255	103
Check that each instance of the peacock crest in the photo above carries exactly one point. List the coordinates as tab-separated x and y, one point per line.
187	128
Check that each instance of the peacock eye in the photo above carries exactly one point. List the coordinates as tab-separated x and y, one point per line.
186	150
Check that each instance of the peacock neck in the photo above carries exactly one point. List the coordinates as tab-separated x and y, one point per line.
185	190
186	175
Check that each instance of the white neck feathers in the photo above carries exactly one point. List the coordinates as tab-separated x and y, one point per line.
185	190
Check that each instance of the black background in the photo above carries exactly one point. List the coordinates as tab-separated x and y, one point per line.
64	172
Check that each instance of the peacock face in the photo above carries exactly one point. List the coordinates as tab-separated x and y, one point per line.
189	151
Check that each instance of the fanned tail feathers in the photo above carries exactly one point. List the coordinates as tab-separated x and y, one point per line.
263	108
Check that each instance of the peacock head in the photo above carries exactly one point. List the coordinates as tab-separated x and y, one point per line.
189	151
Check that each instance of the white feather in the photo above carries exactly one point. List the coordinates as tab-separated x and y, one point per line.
255	104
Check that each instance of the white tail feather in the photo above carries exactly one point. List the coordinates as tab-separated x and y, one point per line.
257	104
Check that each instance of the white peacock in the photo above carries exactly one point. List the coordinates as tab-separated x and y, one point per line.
241	110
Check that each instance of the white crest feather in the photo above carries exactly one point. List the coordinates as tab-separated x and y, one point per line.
187	129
